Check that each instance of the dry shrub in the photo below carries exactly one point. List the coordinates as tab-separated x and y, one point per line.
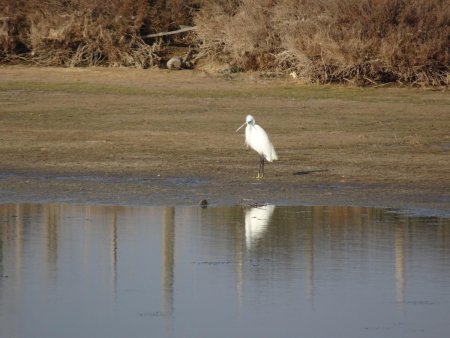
371	41
238	32
85	32
167	15
357	41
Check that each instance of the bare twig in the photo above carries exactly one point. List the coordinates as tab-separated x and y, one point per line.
182	30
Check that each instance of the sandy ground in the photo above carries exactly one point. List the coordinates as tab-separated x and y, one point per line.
133	136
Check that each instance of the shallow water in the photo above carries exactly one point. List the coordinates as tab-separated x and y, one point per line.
100	271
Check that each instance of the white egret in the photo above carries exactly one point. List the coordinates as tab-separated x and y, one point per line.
257	139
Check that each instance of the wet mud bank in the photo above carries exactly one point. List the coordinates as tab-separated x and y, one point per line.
16	187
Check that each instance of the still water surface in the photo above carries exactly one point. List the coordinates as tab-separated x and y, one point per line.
100	271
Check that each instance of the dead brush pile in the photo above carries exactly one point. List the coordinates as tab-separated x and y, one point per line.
83	32
323	41
358	41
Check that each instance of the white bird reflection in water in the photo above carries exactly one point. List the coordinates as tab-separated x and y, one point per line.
256	222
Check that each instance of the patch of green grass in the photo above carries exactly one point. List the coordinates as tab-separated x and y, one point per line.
75	88
275	90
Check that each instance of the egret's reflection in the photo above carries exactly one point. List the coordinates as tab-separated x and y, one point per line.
256	221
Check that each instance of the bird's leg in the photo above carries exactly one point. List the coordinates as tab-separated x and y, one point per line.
261	168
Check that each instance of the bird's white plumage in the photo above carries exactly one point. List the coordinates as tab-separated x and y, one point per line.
257	139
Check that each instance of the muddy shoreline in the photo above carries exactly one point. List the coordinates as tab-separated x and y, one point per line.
38	187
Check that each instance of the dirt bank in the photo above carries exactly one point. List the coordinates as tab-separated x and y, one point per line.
107	135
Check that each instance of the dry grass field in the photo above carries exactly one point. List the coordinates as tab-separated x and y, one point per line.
151	123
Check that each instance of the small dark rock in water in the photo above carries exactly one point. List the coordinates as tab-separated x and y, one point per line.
203	203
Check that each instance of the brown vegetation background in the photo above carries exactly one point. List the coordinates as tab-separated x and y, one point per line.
321	41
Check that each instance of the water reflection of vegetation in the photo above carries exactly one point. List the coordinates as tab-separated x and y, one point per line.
337	224
286	226
342	238
300	236
148	255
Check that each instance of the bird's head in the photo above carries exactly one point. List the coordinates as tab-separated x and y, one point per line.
249	120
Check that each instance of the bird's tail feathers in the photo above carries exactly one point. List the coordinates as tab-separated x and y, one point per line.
272	156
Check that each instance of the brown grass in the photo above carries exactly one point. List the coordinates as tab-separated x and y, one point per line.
183	123
371	41
85	33
319	41
332	141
